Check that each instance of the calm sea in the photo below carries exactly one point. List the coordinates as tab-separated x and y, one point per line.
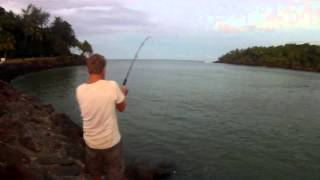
214	121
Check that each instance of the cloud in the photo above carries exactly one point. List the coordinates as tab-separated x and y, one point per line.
91	17
58	4
104	19
227	28
299	15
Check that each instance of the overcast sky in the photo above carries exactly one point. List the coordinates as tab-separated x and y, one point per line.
183	29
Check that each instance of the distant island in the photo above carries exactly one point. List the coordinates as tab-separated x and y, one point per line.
290	56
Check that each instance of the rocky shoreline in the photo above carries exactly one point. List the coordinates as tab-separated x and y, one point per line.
38	143
13	68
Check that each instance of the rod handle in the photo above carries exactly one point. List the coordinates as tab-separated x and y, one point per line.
124	82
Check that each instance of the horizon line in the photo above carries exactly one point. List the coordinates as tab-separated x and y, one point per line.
159	59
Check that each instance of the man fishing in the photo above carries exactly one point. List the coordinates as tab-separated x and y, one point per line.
98	100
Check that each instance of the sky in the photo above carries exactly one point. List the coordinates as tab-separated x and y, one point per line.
183	29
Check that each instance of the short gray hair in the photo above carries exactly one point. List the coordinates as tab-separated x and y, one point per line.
96	63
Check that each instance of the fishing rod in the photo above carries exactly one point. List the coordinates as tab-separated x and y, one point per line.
134	59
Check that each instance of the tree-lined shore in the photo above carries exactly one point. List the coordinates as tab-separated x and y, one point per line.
290	56
31	34
17	67
30	42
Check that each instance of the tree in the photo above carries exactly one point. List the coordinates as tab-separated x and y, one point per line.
30	35
63	36
8	23
86	47
6	43
34	20
35	17
2	11
304	56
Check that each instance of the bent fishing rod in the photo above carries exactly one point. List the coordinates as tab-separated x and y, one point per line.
134	59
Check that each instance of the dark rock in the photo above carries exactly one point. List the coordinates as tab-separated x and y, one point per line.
48	108
66	170
19	172
13	172
49	159
57	146
66	126
76	152
140	170
10	71
3	109
10	155
164	169
6	136
10	173
35	120
144	170
28	143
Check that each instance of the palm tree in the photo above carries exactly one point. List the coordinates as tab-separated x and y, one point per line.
7	43
34	19
86	48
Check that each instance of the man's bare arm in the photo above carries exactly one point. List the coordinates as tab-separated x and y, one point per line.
122	106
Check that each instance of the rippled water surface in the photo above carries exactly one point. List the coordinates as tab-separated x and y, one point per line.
214	121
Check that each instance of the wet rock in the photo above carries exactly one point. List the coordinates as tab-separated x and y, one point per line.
164	169
140	170
144	170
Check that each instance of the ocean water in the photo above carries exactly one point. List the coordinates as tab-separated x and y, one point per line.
214	121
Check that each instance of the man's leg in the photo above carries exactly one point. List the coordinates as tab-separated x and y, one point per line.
115	163
94	163
96	177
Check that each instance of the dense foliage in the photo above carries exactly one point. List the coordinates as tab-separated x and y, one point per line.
292	56
30	34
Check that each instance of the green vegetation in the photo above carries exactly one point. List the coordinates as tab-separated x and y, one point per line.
291	56
85	47
30	34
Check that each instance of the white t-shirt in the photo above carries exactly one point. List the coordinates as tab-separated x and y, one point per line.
2	60
97	102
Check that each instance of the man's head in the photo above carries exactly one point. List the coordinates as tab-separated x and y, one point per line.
96	64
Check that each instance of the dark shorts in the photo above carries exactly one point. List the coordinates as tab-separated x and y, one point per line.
106	161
